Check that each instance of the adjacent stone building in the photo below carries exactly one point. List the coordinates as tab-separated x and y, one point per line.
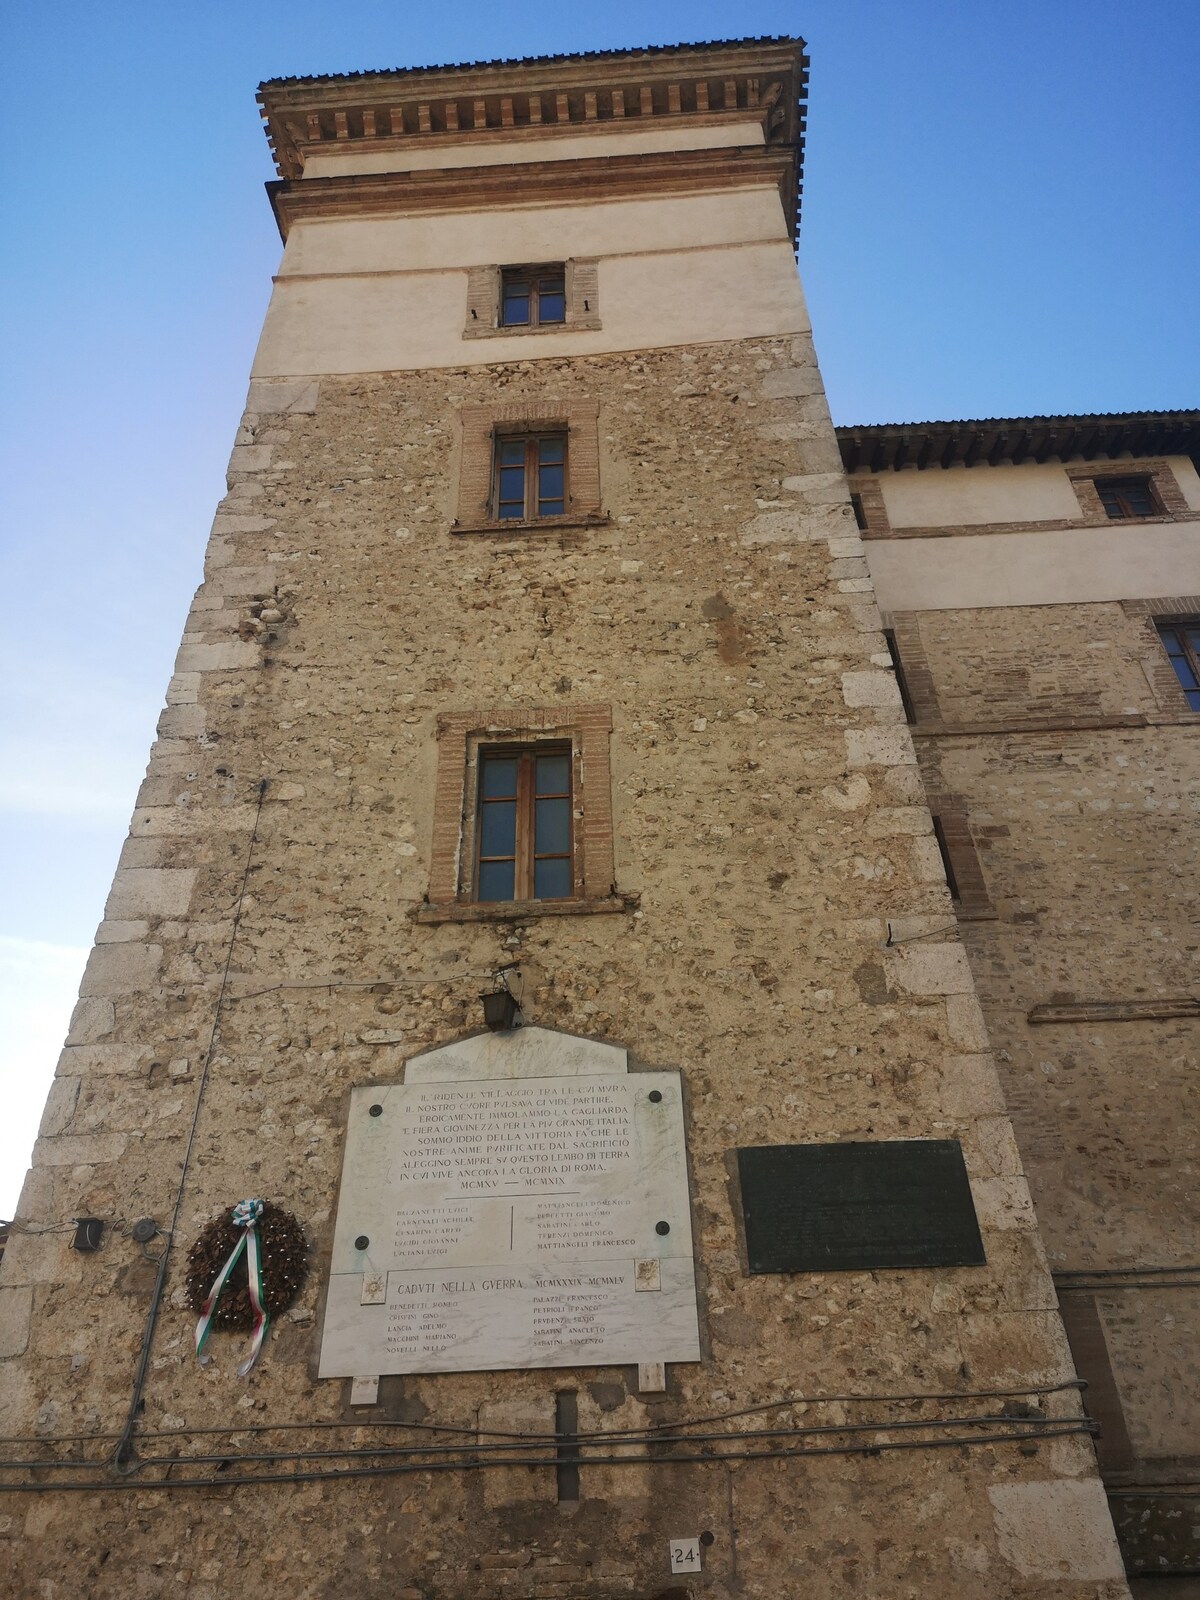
538	653
1040	581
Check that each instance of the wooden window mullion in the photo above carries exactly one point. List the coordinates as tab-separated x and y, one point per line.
531	478
524	864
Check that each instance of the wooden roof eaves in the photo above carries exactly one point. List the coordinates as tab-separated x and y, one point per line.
291	106
891	447
593	66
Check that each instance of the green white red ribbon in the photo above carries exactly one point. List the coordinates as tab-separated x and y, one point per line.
245	1216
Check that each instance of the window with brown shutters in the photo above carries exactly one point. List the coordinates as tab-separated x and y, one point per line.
523	815
529	464
533	297
1123	498
524	833
529	476
1180	638
515	301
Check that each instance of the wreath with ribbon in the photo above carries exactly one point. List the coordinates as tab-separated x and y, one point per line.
247	1266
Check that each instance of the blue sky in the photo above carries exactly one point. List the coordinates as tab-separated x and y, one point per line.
1001	216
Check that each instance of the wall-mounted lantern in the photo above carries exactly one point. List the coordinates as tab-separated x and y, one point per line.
88	1231
500	1006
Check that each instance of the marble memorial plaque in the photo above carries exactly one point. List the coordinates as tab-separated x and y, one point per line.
518	1221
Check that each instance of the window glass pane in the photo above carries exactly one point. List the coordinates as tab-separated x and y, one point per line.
515	310
1193	699
495	880
553	774
552	449
511	497
550	482
512	453
552	306
551	880
499	776
1193	638
498	828
1184	673
550	508
552	829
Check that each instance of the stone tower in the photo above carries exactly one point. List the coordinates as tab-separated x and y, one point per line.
537	657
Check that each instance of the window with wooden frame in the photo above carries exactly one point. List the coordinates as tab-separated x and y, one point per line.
524	825
530	476
531	464
533	297
506	302
1123	498
522	815
1180	637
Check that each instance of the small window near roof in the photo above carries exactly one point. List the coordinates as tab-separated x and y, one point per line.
533	297
1127	497
525	843
530	476
1181	641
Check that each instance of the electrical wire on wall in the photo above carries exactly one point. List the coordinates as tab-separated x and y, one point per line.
122	1458
674	1443
379	1463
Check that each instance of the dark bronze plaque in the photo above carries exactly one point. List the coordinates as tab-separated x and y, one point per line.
855	1207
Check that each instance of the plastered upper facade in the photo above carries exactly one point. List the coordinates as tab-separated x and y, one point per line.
759	903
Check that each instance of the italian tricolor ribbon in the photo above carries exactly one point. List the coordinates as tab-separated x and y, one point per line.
245	1216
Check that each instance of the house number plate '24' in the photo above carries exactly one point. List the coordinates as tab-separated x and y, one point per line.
685	1555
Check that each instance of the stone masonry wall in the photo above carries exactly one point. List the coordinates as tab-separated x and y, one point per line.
1087	840
787	942
1037	661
